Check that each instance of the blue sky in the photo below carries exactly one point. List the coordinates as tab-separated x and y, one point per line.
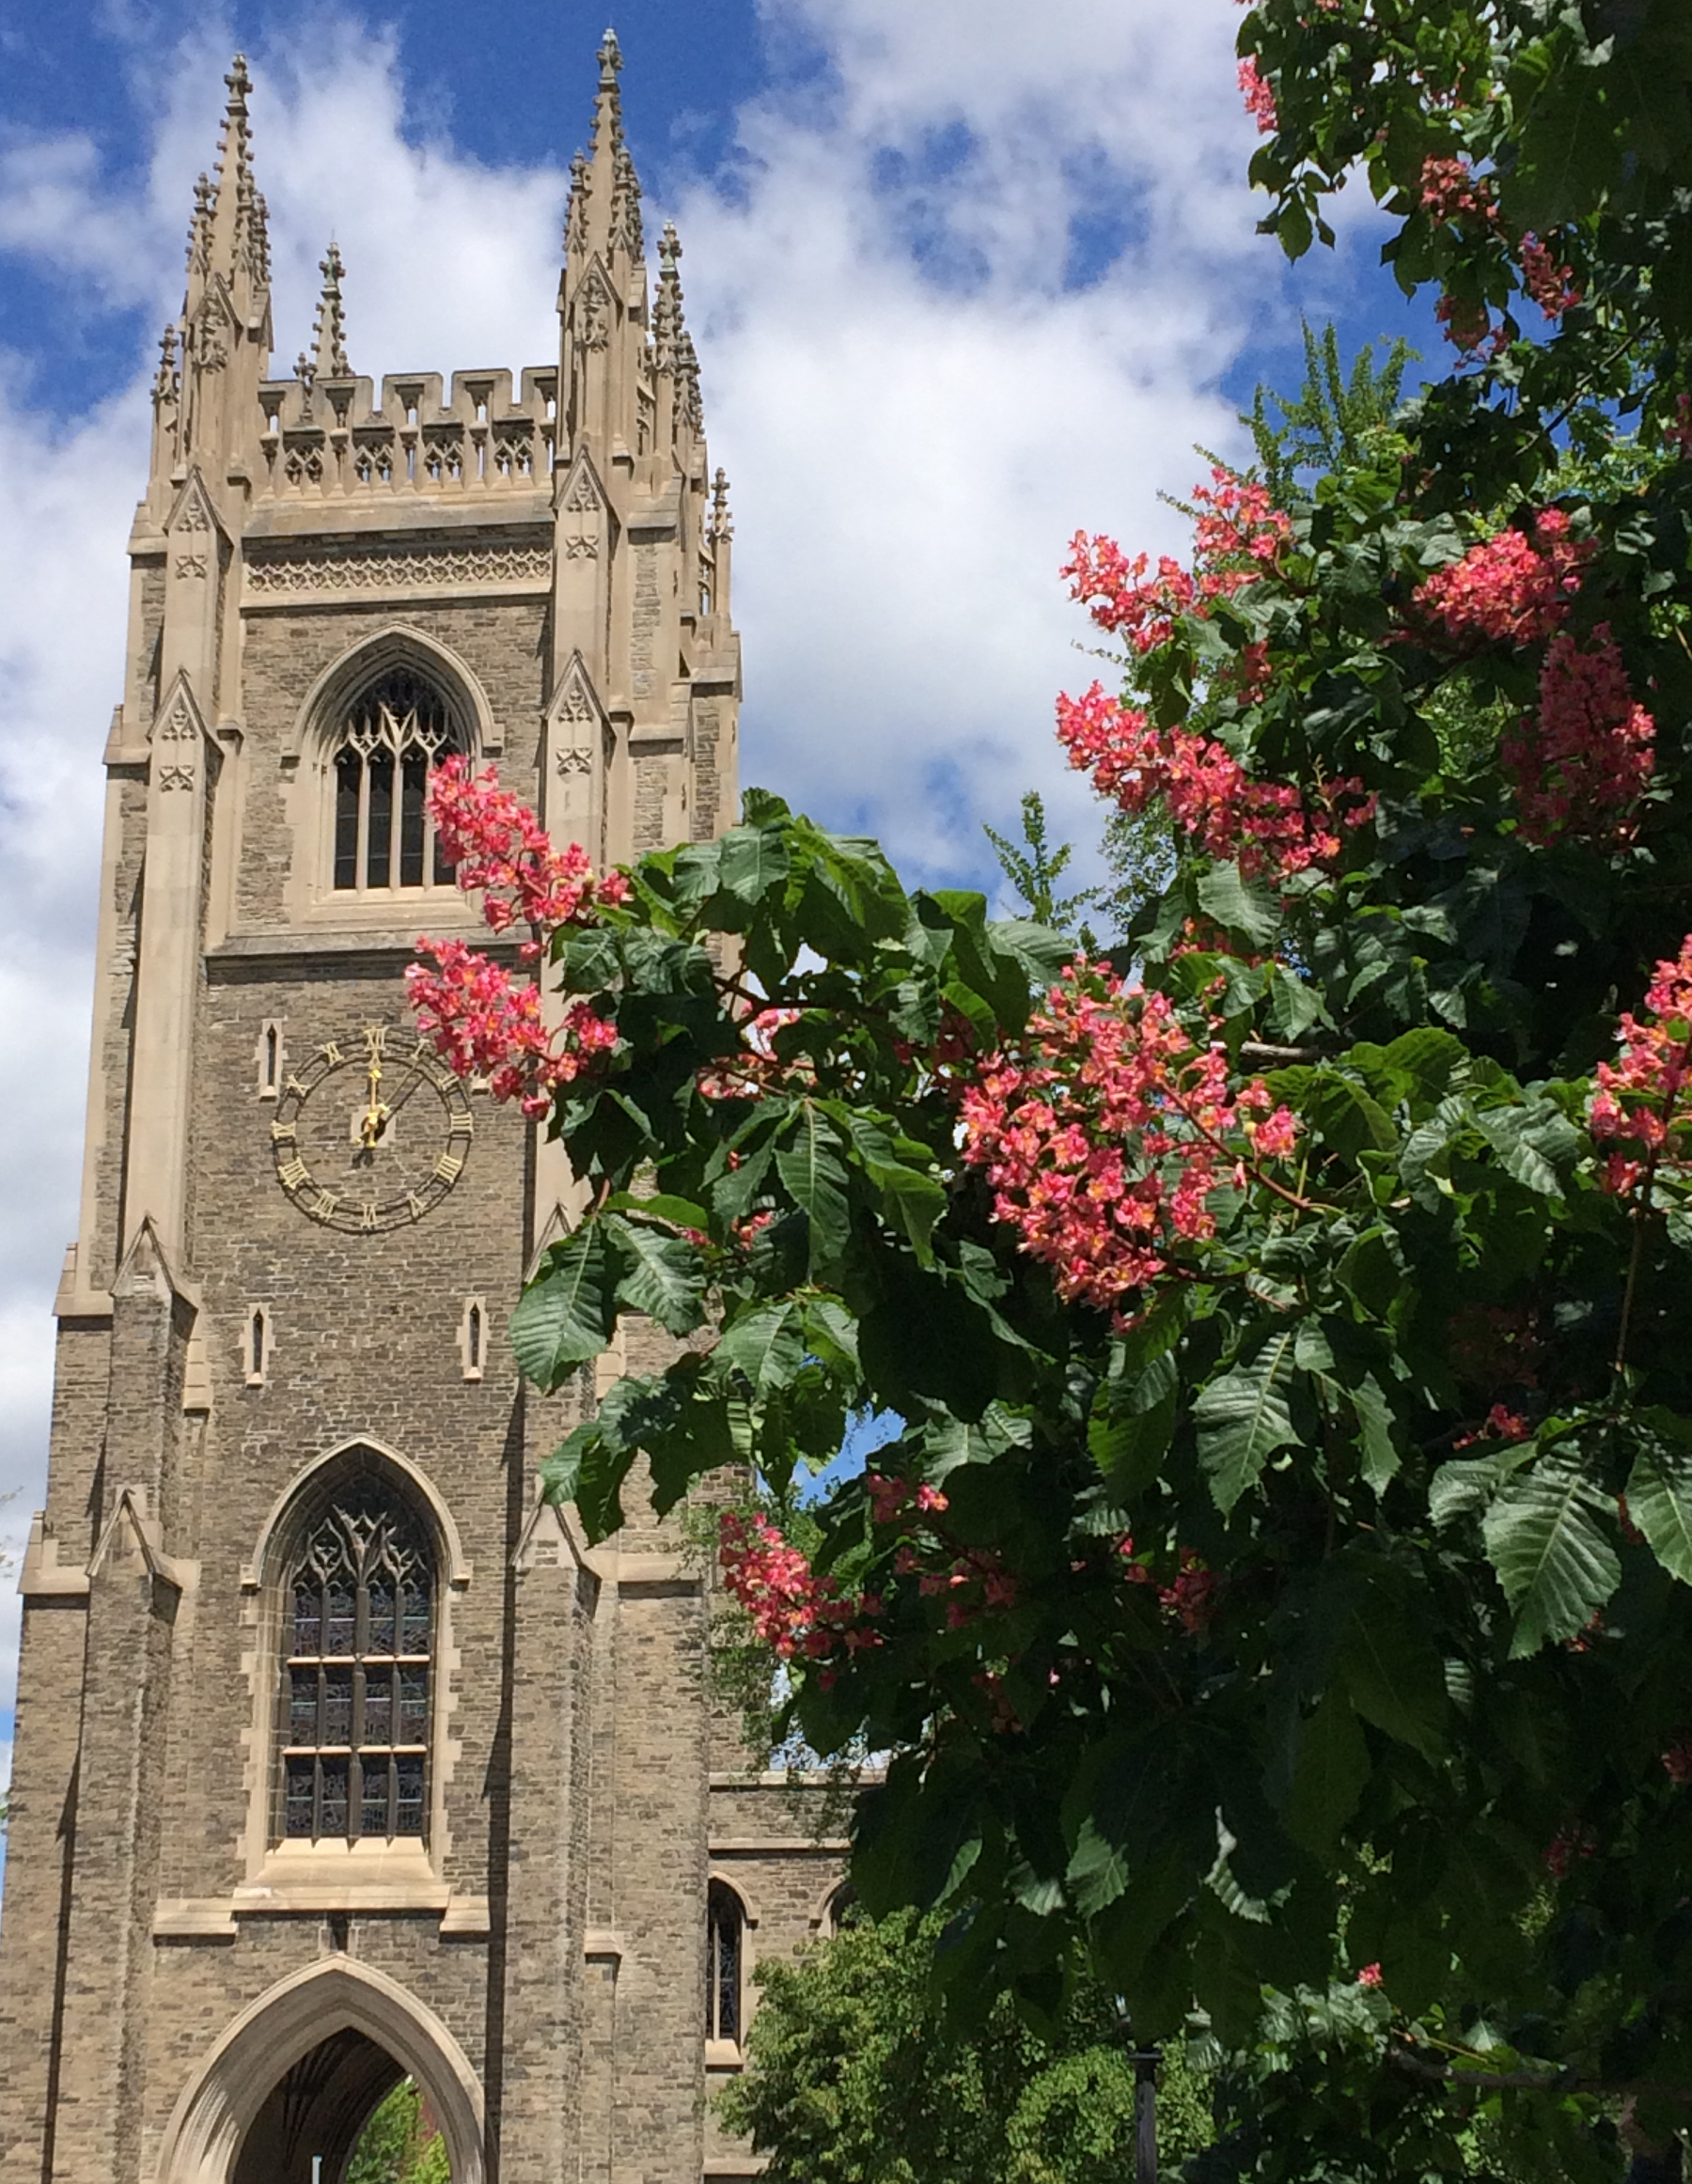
966	275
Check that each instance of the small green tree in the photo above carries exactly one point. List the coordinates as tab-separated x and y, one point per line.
854	2077
398	2146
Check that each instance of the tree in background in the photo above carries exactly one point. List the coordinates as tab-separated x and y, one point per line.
400	2144
854	2077
1276	1604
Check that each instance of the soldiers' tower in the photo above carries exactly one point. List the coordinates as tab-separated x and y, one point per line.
337	1757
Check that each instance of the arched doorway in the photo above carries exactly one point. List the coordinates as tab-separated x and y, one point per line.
306	2126
283	2095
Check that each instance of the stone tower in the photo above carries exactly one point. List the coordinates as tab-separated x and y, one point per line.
338	1758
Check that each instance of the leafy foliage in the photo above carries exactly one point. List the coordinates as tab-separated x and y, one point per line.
395	2146
854	2077
1290	1620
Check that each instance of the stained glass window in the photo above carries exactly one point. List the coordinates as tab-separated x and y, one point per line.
357	1677
392	739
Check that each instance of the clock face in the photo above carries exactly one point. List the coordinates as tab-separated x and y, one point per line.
372	1132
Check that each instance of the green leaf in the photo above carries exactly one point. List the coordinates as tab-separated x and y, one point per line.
661	1206
1554	1562
1246	907
659	1274
1392	1671
766	1345
1659	1492
810	1167
1243	1417
561	1472
1329	1770
754	861
567	1314
1347	1117
1373	1412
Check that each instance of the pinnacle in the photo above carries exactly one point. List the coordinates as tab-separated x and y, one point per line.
610	59
722	525
329	328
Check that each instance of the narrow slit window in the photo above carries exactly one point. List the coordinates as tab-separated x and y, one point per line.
257	1346
726	1945
357	1679
269	1059
392	739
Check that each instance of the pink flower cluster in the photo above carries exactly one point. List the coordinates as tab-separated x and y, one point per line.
1469	329
1104	1141
1265	826
743	1076
1580	765
1450	189
797	1613
1190	1599
1509	589
484	1022
1371	1975
494	843
1641	1098
892	1500
1238	536
1550	285
1259	98
1500	1423
973	1583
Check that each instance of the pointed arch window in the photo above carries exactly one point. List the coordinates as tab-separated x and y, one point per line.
725	1954
392	737
358	1641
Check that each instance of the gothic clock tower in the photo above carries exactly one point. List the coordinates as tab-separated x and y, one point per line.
339	1758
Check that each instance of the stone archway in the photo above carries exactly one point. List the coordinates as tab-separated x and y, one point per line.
297	2072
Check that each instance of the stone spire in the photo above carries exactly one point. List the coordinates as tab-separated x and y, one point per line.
668	328
224	334
236	221
329	329
605	197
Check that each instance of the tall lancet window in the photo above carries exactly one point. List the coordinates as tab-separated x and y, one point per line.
359	1644
395	734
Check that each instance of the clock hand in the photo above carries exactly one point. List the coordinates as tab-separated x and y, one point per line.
417	1079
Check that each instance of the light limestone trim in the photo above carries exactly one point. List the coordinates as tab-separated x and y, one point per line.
458	1567
261	1584
444	573
473	1337
730	2166
307	763
467	1917
824	1918
133	1538
737	1888
216	2108
191	1919
603	1942
780	1845
255	1356
392	644
43	1576
270	1054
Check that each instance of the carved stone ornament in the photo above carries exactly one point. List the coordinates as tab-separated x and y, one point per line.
191	565
593	314
582	496
402	572
575	762
578	547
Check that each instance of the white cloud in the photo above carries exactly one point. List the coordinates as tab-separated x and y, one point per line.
914	407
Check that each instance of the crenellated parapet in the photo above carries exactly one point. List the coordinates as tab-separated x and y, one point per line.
341	436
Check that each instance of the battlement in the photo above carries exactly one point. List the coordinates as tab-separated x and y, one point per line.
335	438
